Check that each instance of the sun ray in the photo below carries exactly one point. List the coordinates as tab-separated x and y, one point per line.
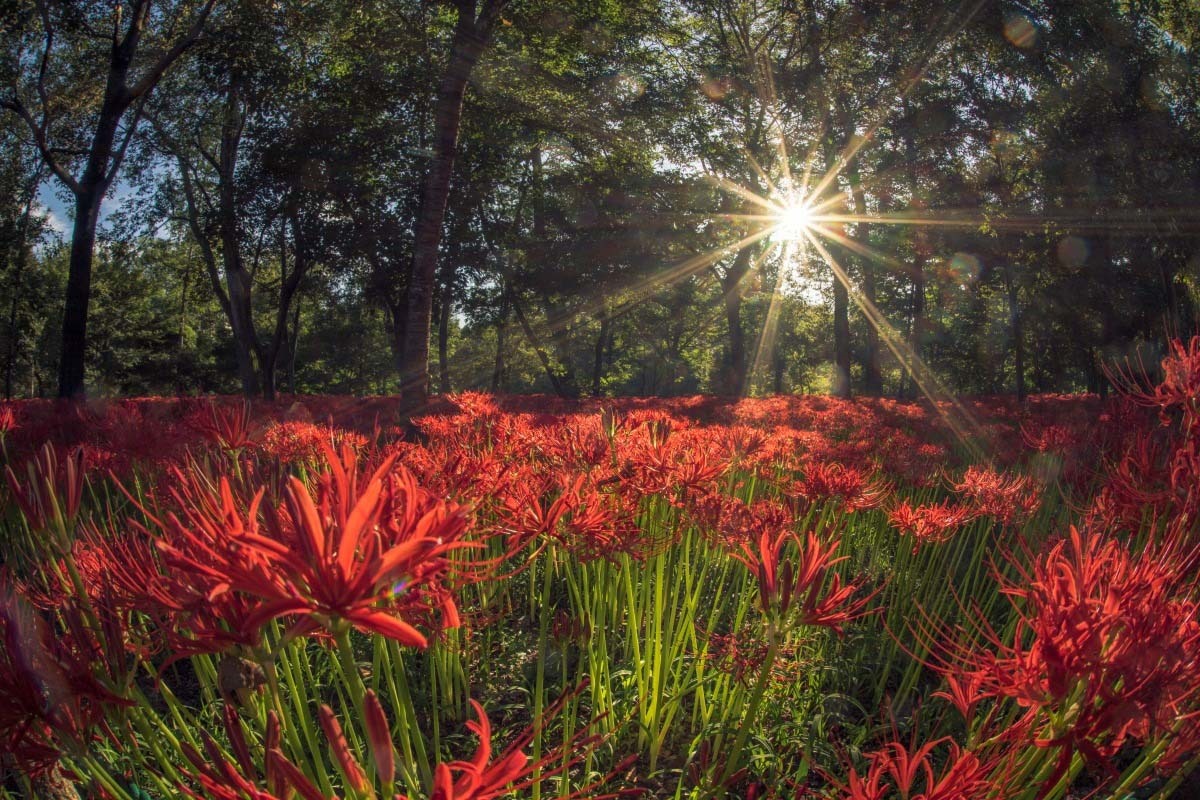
770	329
961	423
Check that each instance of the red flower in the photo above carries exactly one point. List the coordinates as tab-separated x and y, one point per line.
899	771
49	695
227	427
781	581
824	482
1008	498
929	523
1104	650
370	556
50	496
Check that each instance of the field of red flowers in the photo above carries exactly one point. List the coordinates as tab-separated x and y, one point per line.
785	597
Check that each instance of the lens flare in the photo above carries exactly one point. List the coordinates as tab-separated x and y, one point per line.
793	221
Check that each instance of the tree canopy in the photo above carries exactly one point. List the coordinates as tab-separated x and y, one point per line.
595	197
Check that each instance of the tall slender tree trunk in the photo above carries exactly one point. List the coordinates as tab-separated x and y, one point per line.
239	284
471	35
501	330
840	386
841	340
732	284
916	319
598	353
872	374
444	339
79	293
1017	331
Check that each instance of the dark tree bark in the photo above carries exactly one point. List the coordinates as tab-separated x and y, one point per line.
444	305
841	340
598	353
501	330
1017	330
289	285
841	310
872	375
237	278
471	35
732	286
120	103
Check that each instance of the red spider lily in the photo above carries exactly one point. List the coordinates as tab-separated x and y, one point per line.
1104	650
8	421
824	482
782	581
230	428
356	778
295	441
1008	498
742	657
484	777
929	523
1178	389
379	737
49	497
217	779
49	697
899	771
731	523
964	690
368	555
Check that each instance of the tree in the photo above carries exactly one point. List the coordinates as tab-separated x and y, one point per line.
53	86
472	32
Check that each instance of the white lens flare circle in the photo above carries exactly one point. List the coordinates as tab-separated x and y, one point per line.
794	221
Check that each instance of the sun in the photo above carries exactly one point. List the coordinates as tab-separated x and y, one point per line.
793	220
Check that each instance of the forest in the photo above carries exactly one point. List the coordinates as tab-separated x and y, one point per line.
600	399
568	197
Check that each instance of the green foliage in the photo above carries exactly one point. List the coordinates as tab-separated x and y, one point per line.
1054	143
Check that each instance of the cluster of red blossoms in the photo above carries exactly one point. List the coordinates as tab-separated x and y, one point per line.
222	549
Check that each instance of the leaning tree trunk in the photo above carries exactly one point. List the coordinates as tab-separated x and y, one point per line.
470	39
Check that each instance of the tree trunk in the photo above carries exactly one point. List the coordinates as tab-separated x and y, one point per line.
79	292
916	324
559	389
470	39
501	329
444	339
841	339
734	382
598	354
1014	317
841	311
916	320
239	285
872	375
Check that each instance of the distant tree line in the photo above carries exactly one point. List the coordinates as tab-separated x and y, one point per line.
559	195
